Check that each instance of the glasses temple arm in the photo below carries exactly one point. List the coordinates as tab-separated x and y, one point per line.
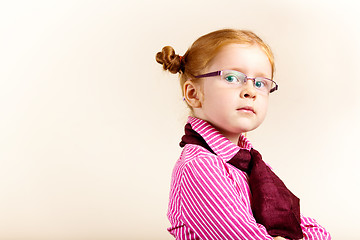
212	74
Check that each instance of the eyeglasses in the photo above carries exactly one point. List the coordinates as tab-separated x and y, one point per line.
236	78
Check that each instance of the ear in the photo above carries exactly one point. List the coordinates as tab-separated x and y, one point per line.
192	94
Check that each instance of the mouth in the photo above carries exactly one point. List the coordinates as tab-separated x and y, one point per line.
246	109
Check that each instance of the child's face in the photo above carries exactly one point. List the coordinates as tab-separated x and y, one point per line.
223	106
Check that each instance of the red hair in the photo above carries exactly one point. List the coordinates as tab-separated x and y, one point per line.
204	49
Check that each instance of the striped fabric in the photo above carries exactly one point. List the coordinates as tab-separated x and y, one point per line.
210	199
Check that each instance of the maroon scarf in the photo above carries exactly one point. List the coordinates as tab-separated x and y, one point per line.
272	204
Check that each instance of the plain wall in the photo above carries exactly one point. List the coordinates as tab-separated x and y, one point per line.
90	124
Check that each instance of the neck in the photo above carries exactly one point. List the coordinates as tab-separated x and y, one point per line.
234	138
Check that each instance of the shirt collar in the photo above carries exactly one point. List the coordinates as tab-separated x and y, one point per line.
218	143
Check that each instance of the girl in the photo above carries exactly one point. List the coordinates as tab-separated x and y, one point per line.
221	188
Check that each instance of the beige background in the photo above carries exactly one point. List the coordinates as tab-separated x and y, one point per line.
90	124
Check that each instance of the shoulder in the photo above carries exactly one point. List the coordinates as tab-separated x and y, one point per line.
195	158
194	153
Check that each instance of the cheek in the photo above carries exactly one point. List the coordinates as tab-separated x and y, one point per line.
263	106
219	98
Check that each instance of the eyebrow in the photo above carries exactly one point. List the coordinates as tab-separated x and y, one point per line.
258	74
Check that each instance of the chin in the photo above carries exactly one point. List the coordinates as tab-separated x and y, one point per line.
247	130
246	127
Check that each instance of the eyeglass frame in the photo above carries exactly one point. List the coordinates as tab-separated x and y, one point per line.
219	73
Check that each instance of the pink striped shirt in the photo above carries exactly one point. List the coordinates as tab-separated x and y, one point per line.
210	199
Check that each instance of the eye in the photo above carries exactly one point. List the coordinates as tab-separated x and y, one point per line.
260	83
231	78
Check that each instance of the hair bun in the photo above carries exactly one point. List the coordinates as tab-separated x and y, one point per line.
169	60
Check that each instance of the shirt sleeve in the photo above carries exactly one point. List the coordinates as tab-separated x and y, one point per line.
211	205
312	230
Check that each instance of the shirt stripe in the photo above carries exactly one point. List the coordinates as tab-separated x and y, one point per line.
210	199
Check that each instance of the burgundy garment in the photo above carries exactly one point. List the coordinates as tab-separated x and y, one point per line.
273	205
192	137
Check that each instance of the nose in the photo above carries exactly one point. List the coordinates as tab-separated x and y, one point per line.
248	90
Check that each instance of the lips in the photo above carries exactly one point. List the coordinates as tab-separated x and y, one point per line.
247	109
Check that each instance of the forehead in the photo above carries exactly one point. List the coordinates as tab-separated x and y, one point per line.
251	59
